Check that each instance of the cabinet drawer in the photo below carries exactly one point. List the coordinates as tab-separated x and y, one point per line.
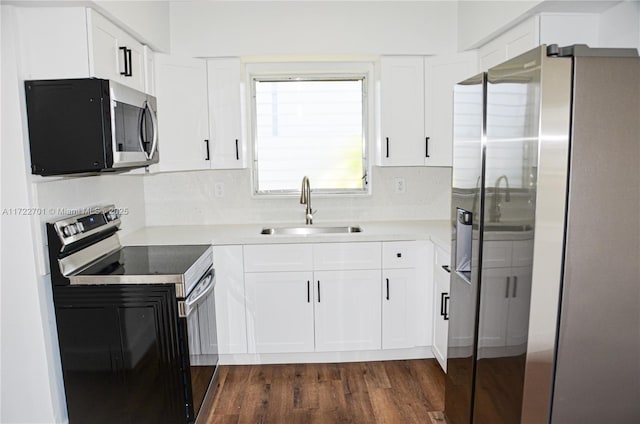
337	256
277	257
398	254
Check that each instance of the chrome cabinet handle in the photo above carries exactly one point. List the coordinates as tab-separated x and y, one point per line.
208	152
426	147
237	151
318	291
515	286
387	146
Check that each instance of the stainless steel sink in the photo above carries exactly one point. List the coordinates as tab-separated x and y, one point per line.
309	230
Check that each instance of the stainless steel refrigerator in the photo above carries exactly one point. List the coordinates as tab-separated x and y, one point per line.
544	320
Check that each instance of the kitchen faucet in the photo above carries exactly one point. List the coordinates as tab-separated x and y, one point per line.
494	213
305	199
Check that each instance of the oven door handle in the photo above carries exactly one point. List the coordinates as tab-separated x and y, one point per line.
202	289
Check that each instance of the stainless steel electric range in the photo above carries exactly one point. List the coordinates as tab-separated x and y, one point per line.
136	324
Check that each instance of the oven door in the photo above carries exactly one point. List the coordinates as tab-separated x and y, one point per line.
202	336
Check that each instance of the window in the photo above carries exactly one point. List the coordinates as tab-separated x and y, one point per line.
313	125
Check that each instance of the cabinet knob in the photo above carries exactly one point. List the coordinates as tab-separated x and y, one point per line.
399	255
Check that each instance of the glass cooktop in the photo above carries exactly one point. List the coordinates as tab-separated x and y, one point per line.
148	260
182	265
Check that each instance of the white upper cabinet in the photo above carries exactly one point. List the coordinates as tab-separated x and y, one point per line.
227	145
441	73
182	113
401	111
416	107
149	71
114	54
547	28
75	42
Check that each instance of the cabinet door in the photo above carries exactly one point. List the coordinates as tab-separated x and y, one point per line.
347	310
228	149
279	312
398	308
441	73
402	141
182	111
114	54
230	299
440	318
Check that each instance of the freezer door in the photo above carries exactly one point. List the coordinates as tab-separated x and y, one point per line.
511	159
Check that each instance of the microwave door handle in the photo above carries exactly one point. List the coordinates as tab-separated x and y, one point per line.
154	125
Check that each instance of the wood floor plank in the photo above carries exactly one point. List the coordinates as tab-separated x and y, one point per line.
393	392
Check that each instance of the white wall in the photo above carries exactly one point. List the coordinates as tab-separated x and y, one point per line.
188	198
147	20
220	28
31	390
620	25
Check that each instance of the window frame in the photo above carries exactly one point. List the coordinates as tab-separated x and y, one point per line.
314	71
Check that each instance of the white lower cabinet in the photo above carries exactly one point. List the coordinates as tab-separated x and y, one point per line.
279	312
347	310
398	311
337	297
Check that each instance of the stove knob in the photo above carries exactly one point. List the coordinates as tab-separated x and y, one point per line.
73	229
80	227
66	231
112	215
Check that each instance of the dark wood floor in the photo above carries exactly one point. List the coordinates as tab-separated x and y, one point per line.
391	392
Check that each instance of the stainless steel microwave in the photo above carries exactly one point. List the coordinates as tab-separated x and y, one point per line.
89	125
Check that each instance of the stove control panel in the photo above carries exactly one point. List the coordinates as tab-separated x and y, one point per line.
93	221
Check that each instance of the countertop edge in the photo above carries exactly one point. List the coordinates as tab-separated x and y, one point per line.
239	234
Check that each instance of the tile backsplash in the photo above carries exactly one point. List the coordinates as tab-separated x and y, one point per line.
189	198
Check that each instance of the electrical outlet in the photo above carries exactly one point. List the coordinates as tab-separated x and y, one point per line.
218	189
399	185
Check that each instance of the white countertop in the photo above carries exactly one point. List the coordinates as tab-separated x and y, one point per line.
437	231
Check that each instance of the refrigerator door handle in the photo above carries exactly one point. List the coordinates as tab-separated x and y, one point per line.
506	292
